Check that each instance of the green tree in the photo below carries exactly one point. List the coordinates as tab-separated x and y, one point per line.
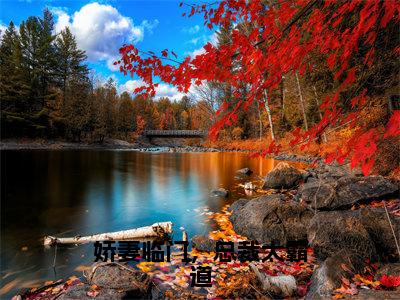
70	61
126	118
38	57
14	87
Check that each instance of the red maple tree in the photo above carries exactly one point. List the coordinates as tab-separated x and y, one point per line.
284	35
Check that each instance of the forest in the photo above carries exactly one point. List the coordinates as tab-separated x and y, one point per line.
322	77
47	90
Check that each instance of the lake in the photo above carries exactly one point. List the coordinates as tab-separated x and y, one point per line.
71	192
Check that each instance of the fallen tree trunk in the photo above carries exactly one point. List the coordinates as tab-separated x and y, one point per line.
155	230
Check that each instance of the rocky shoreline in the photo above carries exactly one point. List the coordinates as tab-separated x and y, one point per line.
331	208
351	223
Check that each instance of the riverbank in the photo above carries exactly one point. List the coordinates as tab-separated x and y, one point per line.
115	144
351	224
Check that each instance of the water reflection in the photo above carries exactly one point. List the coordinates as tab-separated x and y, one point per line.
85	192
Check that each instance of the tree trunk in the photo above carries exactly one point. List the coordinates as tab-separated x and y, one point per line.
259	120
302	103
155	230
283	98
319	113
269	115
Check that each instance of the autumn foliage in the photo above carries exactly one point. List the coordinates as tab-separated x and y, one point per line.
354	39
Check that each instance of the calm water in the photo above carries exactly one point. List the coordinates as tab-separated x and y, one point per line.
85	192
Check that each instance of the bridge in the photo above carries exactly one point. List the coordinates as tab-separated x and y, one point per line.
175	133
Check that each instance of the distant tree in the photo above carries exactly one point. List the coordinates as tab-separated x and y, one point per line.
14	87
70	67
38	57
126	118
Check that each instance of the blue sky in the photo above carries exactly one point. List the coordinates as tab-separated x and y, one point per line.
101	27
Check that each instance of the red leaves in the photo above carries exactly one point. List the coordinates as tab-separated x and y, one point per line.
326	30
390	281
393	126
351	77
390	8
364	146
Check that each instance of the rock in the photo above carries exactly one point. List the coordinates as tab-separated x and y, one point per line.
221	192
249	186
203	243
78	292
117	143
119	277
328	275
365	232
270	218
388	270
244	171
330	232
375	220
282	176
238	204
331	194
364	294
333	171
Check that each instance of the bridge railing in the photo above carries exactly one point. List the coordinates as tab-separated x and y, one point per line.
175	133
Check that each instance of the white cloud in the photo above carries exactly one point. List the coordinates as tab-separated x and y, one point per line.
163	90
194	41
2	30
191	30
149	25
101	30
212	39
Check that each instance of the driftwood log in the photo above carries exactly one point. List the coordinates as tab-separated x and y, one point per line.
155	230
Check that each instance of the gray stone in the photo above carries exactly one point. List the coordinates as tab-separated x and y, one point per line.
221	192
270	218
332	194
79	292
365	232
244	171
282	176
328	275
119	277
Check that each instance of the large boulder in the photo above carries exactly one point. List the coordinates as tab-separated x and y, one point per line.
328	275
332	194
119	277
330	232
332	171
375	221
86	292
283	176
270	218
365	232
